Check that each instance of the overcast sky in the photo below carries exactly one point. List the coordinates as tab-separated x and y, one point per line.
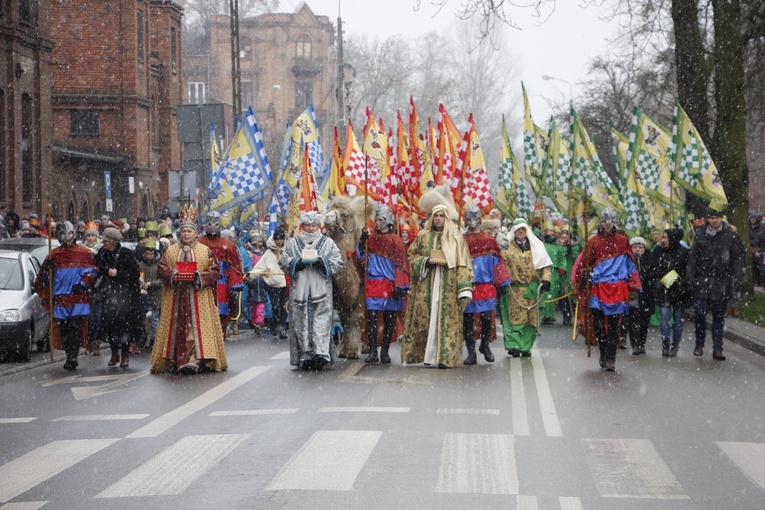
561	46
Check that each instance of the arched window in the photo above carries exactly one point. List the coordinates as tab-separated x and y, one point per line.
97	210
84	216
303	46
70	211
144	206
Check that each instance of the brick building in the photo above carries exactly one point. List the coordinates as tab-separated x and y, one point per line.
287	62
117	77
25	114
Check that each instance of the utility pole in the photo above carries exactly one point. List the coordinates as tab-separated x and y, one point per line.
236	75
341	119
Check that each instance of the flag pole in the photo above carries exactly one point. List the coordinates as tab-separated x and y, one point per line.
366	202
50	285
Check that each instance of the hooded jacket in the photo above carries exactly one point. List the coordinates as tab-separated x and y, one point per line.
666	259
269	263
716	265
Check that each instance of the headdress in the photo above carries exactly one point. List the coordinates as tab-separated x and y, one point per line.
188	216
539	255
310	217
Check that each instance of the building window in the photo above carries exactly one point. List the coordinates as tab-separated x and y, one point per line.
197	92
303	94
27	193
303	46
245	48
173	50
139	34
247	99
25	12
84	123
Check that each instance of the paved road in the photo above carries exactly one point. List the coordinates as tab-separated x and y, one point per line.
547	432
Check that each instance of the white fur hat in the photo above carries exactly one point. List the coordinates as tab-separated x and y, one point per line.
440	195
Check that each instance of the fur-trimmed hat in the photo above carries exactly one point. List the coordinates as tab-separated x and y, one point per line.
440	195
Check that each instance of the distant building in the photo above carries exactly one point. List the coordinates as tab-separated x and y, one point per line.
25	113
117	78
287	62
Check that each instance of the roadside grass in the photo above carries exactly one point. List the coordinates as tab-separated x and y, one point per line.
754	310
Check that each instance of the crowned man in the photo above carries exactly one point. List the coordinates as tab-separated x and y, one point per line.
387	280
231	282
490	276
529	266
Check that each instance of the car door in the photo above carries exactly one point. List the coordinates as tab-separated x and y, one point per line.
39	314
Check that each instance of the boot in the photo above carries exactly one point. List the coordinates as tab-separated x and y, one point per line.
115	357
610	365
384	356
125	358
471	359
665	347
96	347
71	359
486	351
372	356
673	350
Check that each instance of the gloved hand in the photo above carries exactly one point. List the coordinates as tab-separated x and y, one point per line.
634	295
79	289
198	283
398	293
363	242
545	286
174	281
302	264
318	262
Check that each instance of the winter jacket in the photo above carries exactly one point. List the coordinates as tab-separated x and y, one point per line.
666	259
122	308
716	264
269	264
645	299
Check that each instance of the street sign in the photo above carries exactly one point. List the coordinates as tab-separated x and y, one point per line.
108	186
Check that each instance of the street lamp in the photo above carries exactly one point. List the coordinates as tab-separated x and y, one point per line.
570	88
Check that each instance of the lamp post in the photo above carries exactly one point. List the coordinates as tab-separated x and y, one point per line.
547	77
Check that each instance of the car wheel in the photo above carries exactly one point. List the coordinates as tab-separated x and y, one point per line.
24	352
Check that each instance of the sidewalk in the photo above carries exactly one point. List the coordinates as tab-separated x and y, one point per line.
744	333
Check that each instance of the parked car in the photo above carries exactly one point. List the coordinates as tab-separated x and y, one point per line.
37	246
23	320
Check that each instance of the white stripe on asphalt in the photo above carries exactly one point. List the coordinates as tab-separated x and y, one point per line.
33	468
175	469
549	415
364	410
330	461
630	468
749	458
518	393
168	420
526	502
253	412
16	420
457	410
103	417
570	503
478	464
26	505
282	355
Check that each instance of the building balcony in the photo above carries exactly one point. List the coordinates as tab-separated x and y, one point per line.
307	66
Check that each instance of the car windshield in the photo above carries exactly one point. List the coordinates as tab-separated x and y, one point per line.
10	275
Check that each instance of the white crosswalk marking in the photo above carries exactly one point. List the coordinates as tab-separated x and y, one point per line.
330	460
33	468
174	470
570	503
15	420
630	468
749	457
478	464
281	355
549	415
364	410
520	418
457	410
26	505
102	417
175	416
526	502
253	412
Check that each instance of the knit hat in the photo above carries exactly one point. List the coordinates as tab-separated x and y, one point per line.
112	235
91	228
637	240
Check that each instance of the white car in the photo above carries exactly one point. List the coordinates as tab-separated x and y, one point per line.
23	320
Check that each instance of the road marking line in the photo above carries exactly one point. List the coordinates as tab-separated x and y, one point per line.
526	502
168	420
16	420
330	460
549	415
281	355
175	469
458	410
33	468
364	410
94	378
25	505
478	464
570	503
749	458
253	412
630	468
518	394
102	417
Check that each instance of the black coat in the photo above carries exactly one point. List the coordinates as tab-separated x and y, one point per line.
716	265
122	317
666	259
645	299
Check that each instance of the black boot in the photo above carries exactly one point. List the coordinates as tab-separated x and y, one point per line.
471	358
372	356
665	347
486	351
372	336
387	336
125	362
71	359
674	349
115	357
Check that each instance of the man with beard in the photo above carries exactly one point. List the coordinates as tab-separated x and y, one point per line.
230	283
310	259
387	280
74	272
490	276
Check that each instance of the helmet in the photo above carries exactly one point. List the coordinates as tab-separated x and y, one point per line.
65	232
472	216
212	223
384	212
608	215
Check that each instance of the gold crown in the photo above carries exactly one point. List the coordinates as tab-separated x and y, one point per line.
188	216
